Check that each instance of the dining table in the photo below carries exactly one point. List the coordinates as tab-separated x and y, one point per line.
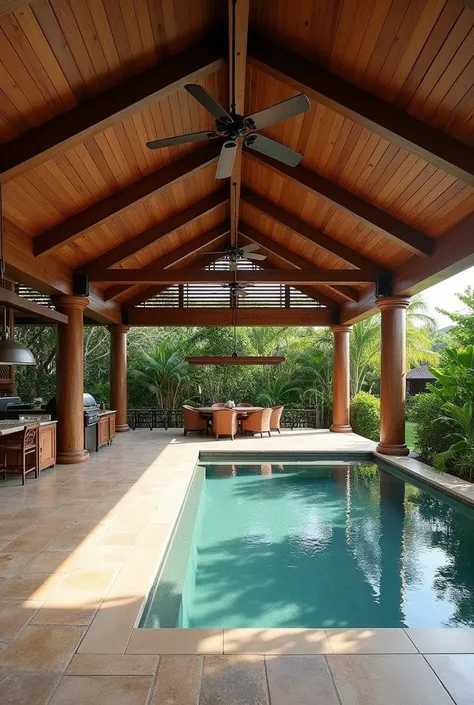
241	410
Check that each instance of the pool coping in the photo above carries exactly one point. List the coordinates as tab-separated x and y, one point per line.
107	635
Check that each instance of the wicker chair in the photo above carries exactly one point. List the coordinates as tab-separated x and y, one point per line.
25	449
225	423
275	420
193	421
258	422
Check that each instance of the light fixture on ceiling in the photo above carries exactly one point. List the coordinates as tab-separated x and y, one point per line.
11	351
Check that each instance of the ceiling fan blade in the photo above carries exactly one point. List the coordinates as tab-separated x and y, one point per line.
226	160
241	292
255	255
273	149
208	102
247	285
182	139
276	113
250	248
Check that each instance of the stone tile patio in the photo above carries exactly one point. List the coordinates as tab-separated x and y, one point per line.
79	549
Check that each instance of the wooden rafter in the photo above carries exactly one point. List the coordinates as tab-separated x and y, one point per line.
308	232
273	276
241	32
20	303
291	258
377	219
156	233
173	173
96	114
225	317
362	107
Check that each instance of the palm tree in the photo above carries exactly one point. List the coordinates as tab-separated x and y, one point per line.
278	391
165	373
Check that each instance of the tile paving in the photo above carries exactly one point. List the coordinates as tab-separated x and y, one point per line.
79	549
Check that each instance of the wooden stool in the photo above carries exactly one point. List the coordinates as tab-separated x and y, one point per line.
25	446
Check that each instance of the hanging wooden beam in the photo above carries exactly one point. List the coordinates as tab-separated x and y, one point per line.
384	119
224	317
69	230
377	219
273	276
20	303
95	115
155	233
309	233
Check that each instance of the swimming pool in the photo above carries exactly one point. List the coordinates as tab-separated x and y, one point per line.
314	543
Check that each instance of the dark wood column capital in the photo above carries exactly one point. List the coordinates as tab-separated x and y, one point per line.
341	380
118	374
67	303
119	328
393	375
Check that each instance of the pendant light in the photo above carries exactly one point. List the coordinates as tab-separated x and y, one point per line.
11	351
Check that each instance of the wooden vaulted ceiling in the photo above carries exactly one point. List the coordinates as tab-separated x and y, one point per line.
386	185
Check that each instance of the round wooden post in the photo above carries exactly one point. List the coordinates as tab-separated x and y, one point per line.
70	380
341	380
393	375
118	375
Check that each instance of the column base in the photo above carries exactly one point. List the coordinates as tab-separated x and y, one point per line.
393	448
336	428
123	428
72	457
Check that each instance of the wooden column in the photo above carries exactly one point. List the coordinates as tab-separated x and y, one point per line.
341	380
118	375
393	375
70	380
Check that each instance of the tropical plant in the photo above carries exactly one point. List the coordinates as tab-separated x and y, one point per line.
365	415
431	434
165	373
314	377
463	331
455	379
461	452
278	391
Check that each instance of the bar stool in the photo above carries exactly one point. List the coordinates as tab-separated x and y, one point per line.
25	447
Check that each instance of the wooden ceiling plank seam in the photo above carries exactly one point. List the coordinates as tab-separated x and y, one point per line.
70	229
364	108
98	113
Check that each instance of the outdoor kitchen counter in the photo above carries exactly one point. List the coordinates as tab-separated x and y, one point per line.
13	426
46	438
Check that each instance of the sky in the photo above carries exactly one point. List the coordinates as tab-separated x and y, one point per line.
443	295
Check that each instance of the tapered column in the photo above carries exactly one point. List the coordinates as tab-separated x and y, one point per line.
393	375
341	380
118	375
70	380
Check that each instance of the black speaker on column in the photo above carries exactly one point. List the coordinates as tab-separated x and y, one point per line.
80	285
383	285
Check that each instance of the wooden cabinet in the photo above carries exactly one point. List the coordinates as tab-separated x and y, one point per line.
105	429
47	445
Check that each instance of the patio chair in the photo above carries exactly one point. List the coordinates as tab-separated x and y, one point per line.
258	422
25	450
193	421
225	423
275	419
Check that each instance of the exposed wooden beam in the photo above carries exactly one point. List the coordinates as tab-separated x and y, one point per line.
69	230
98	113
453	253
156	233
309	233
237	53
310	291
273	276
20	303
290	257
362	107
377	219
181	255
223	317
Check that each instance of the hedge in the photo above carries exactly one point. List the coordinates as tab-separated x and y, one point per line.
365	415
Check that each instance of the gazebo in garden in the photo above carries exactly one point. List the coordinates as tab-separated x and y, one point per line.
380	207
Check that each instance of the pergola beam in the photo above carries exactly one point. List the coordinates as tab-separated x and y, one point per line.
347	99
273	276
225	317
309	233
113	205
95	115
375	218
20	303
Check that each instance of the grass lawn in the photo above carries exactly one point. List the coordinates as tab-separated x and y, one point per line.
410	434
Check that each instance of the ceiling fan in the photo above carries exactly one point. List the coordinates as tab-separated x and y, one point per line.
238	253
230	126
236	289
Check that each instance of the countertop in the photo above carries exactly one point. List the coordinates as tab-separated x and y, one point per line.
105	412
14	426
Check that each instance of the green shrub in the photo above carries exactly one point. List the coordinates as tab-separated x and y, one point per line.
365	415
432	436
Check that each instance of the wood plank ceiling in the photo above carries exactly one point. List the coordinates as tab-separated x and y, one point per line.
387	146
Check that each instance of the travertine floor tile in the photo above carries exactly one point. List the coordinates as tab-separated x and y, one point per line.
106	690
234	680
370	641
456	673
41	648
27	688
276	641
179	680
32	587
14	615
302	680
50	562
109	632
116	665
442	641
394	679
176	641
12	563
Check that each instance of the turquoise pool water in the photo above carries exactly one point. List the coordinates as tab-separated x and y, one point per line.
321	544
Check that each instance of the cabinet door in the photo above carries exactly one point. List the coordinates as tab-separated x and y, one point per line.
103	431
111	426
47	446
